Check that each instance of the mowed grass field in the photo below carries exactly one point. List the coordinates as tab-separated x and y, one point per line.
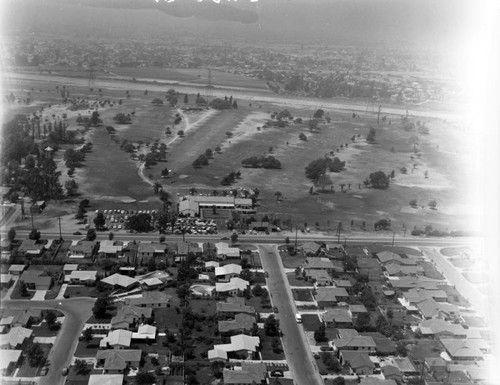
444	153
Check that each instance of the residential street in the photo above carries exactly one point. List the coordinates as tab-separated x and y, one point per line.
297	351
76	311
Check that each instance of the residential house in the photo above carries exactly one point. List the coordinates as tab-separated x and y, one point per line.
357	343
145	332
128	316
68	268
151	299
16	269
15	338
356	310
439	328
384	346
464	350
325	297
310	248
217	354
319	277
36	280
235	286
234	305
185	248
226	272
116	339
151	283
339	318
30	247
375	381
209	251
19	317
432	309
386	257
343	284
111	248
226	252
339	293
392	372
250	373
105	379
6	280
211	265
415	296
405	365
241	344
436	366
358	362
82	249
82	277
406	283
320	263
116	361
148	250
8	362
119	281
241	324
396	269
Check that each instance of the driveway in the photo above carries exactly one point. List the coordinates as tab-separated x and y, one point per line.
76	311
39	295
297	351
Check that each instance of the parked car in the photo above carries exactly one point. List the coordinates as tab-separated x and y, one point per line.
277	373
65	371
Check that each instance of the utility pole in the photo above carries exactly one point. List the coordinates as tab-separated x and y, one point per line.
339	227
296	230
60	232
393	235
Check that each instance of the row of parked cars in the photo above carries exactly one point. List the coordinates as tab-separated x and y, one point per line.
195	226
116	219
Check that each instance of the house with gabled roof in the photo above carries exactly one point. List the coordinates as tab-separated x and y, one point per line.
148	250
234	305
439	328
337	317
82	277
151	299
145	332
36	279
358	362
82	249
396	269
241	344
119	281
250	373
319	277
19	317
343	284
432	309
226	252
355	310
116	339
30	247
318	263
111	248
413	297
116	361
15	338
241	324
465	350
325	297
386	257
384	346
357	343
235	286
226	272
310	248
105	379
128	316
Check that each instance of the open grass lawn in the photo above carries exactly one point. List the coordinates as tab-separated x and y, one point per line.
430	271
401	318
256	302
291	261
168	318
17	295
267	350
377	248
455	297
259	278
79	379
297	281
310	322
424	348
201	306
453	251
80	291
302	295
53	292
43	330
87	349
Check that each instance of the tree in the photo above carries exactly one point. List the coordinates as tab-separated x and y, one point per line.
433	204
401	349
87	334
235	105
71	187
383	326
339	380
186	100
323	181
23	289
370	138
35	354
81	367
320	333
157	102
271	326
403	170
234	238
91	235
303	137
257	290
379	180
34	235
180	133
139	222
101	306
11	234
279	195
413	203
318	114
99	221
383	224
367	298
50	318
363	321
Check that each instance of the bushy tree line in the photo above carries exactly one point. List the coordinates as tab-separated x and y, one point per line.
261	162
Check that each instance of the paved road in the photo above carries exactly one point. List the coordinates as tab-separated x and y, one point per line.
76	311
219	91
297	351
477	299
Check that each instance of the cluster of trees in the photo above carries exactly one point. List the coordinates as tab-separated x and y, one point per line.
429	231
230	178
303	137
201	161
139	222
318	167
171	97
383	224
200	99
223	104
121	118
370	138
378	179
157	102
261	162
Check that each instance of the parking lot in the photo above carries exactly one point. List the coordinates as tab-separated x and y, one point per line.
116	218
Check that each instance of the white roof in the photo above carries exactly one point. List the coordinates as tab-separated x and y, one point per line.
233	284
240	342
217	353
120	280
70	266
8	356
83	275
212	264
15	336
108	247
224	249
145	331
106	379
117	337
152	281
232	268
17	267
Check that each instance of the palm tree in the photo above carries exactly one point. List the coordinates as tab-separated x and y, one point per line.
279	195
193	191
157	187
342	187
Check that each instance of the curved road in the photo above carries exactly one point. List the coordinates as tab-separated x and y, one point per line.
295	345
76	311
